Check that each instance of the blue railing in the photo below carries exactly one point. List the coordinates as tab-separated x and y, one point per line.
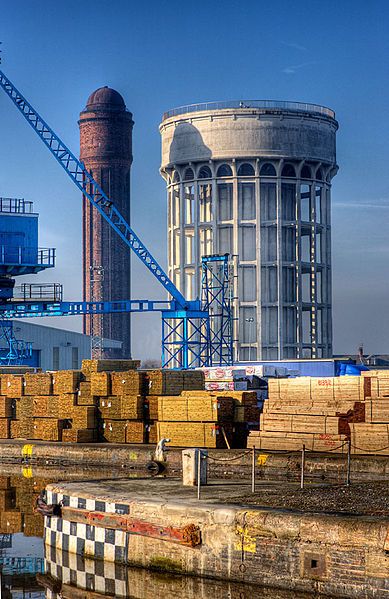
261	104
15	205
24	256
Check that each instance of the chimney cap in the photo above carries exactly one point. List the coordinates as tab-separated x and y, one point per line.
105	98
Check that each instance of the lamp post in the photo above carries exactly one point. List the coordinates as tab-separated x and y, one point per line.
250	321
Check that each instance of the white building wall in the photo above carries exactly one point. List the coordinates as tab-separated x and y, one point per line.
58	349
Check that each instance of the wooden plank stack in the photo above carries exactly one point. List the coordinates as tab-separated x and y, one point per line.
129	412
210	419
325	413
125	405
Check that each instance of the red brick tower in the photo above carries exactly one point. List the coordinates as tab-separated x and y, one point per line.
106	150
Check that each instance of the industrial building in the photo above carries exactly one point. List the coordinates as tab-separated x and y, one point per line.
106	150
54	348
253	179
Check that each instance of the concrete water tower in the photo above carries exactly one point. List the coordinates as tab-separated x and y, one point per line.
253	179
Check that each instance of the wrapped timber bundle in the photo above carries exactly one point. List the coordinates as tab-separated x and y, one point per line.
195	420
326	413
196	434
89	366
38	384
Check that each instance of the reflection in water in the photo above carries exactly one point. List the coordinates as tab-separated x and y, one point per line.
27	572
69	576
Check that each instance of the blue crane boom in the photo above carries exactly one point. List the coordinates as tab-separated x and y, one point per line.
28	309
92	190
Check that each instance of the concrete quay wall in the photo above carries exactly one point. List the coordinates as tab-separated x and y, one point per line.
342	556
222	463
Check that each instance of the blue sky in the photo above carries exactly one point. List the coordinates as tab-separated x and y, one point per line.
164	54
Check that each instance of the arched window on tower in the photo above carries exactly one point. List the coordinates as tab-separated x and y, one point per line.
246	170
267	170
176	177
205	173
189	174
288	171
305	172
224	171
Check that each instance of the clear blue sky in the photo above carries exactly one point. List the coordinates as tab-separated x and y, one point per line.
163	54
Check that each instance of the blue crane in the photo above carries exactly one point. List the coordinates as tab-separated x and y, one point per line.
185	324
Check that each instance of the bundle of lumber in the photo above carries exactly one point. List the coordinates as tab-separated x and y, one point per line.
207	418
324	414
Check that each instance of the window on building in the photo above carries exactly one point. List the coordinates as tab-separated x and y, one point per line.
189	282
189	174
269	325
289	284
55	358
307	336
306	287
176	207
247	283
305	172
177	248
246	170
319	287
224	198
289	325
189	257
268	193
288	171
318	248
205	199
288	201
318	204
225	240
289	244
224	170
269	285
319	326
305	194
306	247
247	242
267	170
206	241
247	324
205	173
246	201
189	204
75	363
268	244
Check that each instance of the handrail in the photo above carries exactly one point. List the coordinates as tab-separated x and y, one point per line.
16	205
255	104
25	255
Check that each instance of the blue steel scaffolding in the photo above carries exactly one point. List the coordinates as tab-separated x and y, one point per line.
216	287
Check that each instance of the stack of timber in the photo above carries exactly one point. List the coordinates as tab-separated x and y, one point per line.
324	414
207	418
57	406
129	408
